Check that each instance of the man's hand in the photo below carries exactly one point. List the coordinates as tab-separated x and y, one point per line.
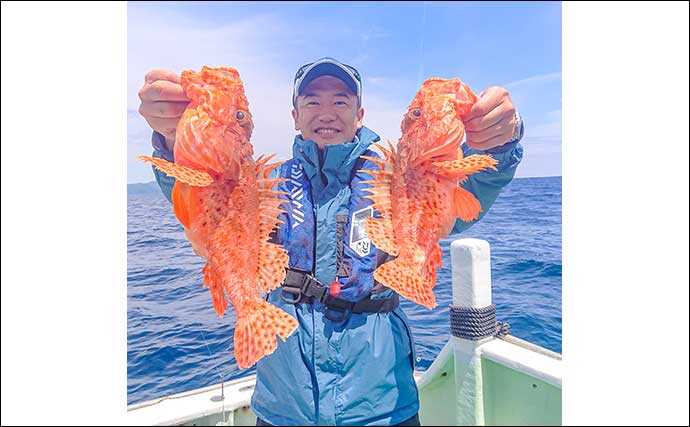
491	120
162	103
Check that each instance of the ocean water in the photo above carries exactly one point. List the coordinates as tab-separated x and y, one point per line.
176	342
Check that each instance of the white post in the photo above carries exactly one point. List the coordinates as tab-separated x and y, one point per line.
471	272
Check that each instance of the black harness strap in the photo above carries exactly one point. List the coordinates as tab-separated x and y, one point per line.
303	287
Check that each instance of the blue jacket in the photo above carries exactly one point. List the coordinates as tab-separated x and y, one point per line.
357	372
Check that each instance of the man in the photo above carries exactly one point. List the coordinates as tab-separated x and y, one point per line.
351	361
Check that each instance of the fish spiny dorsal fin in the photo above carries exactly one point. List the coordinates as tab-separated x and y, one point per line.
380	230
263	168
272	258
388	154
270	167
269	200
184	174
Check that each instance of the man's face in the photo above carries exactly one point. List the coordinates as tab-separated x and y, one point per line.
327	112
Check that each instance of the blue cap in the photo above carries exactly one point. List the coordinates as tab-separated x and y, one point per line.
327	67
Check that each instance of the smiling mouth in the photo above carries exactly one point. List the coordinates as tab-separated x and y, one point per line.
326	131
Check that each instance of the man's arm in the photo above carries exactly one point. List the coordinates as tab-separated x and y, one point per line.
492	127
487	185
163	101
160	150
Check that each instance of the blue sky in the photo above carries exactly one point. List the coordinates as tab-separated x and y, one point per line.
394	45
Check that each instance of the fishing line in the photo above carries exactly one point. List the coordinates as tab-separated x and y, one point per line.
222	382
420	75
209	352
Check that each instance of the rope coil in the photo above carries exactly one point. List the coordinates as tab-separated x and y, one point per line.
476	323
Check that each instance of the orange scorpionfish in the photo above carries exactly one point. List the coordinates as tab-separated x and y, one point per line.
226	203
416	188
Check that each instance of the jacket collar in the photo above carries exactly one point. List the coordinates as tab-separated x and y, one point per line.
331	169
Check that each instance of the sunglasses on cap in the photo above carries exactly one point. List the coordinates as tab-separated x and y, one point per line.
327	66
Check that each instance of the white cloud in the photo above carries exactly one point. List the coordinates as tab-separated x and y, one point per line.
535	80
266	51
244	45
540	160
538	100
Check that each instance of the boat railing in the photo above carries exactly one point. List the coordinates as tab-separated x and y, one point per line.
495	379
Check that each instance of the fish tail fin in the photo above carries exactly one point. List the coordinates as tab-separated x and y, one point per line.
465	166
184	174
256	329
465	205
401	276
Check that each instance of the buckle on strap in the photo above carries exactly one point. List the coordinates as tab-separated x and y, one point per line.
301	286
292	285
299	283
296	295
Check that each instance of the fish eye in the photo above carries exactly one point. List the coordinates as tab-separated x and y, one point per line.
239	115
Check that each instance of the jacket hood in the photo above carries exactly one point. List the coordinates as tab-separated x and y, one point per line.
331	169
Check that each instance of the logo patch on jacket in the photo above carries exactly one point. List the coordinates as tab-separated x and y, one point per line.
296	195
359	242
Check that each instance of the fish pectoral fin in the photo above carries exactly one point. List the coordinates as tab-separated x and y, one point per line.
466	166
256	329
212	280
184	174
465	205
182	199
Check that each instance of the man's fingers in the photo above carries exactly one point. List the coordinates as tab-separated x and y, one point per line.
484	135
494	141
163	109
162	90
166	127
154	75
487	101
479	109
486	121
